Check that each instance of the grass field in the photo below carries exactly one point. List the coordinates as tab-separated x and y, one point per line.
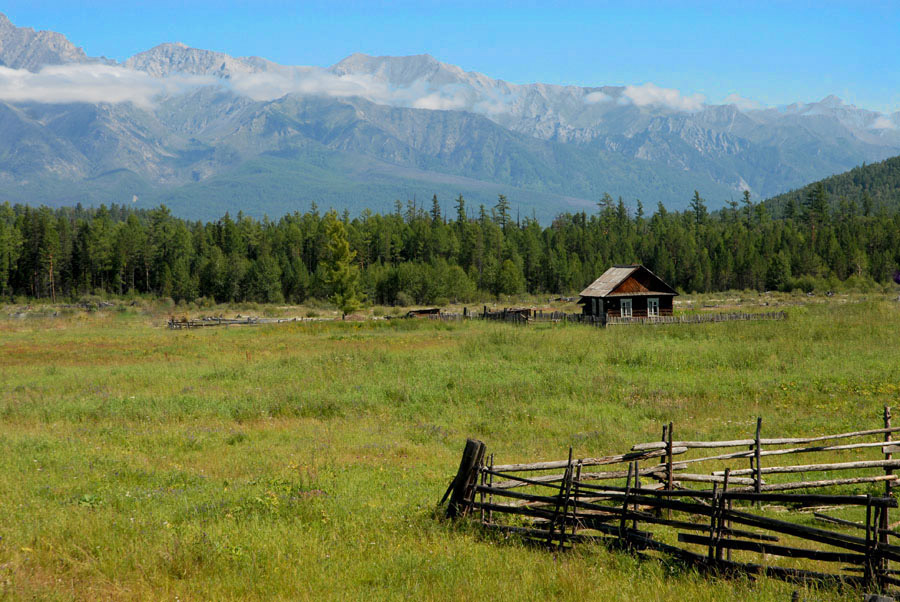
304	461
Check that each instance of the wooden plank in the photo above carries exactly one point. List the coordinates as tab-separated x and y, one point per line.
777	441
839	521
826	483
780	452
787	574
774	550
816	467
705	478
804	499
585	476
617	459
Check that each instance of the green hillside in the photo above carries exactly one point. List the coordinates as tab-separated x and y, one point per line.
869	187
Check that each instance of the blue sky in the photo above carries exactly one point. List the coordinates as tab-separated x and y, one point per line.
773	52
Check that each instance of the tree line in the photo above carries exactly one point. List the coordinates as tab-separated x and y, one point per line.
419	255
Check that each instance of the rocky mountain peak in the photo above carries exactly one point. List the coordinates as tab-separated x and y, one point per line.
176	57
25	48
400	70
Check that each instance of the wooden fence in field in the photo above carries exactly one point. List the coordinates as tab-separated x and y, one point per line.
698	318
519	316
536	316
681	500
176	324
533	316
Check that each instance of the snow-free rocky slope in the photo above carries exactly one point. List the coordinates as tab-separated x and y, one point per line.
244	133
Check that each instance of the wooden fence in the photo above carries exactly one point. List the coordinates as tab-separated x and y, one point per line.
534	316
177	324
519	316
698	318
711	510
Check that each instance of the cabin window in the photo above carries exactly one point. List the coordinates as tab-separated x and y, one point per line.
653	307
626	308
596	309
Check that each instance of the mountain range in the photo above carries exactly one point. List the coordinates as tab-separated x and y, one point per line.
205	133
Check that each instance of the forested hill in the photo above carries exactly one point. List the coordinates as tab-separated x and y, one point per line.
868	188
420	255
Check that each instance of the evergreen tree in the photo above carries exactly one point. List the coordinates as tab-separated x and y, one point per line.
502	211
698	207
435	210
340	274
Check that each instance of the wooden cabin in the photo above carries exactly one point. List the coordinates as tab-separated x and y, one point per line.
627	291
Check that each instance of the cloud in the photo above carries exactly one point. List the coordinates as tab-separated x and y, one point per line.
596	97
439	102
93	83
271	85
90	83
651	94
96	83
883	122
744	104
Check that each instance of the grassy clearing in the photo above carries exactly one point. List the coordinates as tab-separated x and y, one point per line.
304	460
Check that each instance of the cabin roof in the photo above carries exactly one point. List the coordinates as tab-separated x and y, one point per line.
609	281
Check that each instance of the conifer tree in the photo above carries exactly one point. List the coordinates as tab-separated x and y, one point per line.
340	274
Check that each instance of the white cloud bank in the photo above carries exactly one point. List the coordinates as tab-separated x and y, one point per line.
596	97
97	83
93	83
651	94
743	104
90	83
883	122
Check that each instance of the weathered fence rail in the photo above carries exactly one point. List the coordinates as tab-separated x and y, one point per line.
722	519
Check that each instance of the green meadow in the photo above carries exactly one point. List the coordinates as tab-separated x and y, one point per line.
304	461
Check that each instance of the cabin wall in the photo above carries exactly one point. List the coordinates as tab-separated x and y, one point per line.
613	306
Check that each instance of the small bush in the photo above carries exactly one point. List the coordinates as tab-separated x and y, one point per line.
403	300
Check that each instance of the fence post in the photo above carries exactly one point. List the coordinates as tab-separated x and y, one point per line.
713	515
669	458
867	569
758	480
490	515
463	485
637	485
885	512
887	455
720	524
563	500
576	481
625	504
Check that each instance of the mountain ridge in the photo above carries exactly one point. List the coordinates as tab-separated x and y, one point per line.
421	121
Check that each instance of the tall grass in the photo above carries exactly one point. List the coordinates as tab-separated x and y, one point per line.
303	461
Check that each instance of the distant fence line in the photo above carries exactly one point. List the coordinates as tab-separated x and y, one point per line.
519	316
699	318
183	323
531	316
